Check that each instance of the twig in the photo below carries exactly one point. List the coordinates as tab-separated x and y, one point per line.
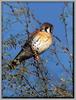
65	28
61	63
32	15
40	68
13	11
33	88
62	92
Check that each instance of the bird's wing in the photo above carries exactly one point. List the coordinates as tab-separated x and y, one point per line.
25	52
34	33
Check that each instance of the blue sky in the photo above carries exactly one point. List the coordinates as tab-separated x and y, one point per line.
44	12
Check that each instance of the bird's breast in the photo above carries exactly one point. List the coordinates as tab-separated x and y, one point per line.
41	41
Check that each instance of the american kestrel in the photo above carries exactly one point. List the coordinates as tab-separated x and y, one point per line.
39	41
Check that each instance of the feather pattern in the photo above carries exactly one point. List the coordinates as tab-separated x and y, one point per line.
40	40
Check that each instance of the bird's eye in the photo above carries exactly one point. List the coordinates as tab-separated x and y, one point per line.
46	28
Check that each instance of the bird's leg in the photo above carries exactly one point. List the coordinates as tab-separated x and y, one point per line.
36	55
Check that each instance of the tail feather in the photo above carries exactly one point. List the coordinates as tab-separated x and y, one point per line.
24	54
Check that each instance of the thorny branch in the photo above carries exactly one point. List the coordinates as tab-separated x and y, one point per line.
58	59
63	17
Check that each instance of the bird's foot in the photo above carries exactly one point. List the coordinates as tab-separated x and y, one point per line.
37	57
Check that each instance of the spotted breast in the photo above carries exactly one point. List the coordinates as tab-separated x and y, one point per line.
41	41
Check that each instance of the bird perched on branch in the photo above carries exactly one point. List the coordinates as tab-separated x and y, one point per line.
38	42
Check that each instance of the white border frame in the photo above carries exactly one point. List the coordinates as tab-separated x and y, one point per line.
74	52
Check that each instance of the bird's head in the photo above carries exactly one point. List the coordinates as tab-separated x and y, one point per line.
46	27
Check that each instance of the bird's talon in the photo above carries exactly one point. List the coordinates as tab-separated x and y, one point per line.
36	57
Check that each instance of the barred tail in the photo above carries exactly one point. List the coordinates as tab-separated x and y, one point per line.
24	54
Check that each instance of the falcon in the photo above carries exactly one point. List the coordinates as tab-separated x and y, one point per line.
38	42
